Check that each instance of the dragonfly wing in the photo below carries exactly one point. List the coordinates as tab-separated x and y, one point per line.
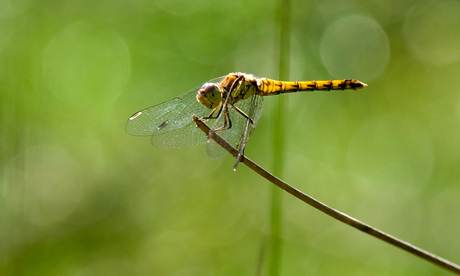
188	135
170	123
252	107
166	122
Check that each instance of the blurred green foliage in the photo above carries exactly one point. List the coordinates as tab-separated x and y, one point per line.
78	196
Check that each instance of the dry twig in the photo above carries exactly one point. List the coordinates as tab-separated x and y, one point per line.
328	210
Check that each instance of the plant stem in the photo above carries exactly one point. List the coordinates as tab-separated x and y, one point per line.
455	268
275	248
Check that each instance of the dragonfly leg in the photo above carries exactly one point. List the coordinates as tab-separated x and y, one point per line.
210	116
225	105
247	133
227	121
249	120
242	113
220	109
242	142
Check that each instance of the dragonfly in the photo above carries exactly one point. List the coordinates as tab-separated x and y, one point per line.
230	105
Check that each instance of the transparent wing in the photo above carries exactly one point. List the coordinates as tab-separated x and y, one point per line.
251	107
170	123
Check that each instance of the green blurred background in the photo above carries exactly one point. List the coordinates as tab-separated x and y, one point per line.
79	196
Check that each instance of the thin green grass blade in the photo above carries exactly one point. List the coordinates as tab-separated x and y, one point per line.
275	248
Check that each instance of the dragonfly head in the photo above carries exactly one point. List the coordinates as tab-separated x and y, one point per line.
209	95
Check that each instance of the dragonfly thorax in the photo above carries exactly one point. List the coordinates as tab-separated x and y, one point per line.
210	95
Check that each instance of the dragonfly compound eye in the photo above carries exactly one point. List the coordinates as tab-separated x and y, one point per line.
209	95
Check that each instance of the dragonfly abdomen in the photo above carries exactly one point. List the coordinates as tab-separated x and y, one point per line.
268	87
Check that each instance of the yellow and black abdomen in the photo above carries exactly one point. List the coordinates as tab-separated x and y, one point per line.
268	87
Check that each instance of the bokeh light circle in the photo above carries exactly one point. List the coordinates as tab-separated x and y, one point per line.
85	64
355	47
432	31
